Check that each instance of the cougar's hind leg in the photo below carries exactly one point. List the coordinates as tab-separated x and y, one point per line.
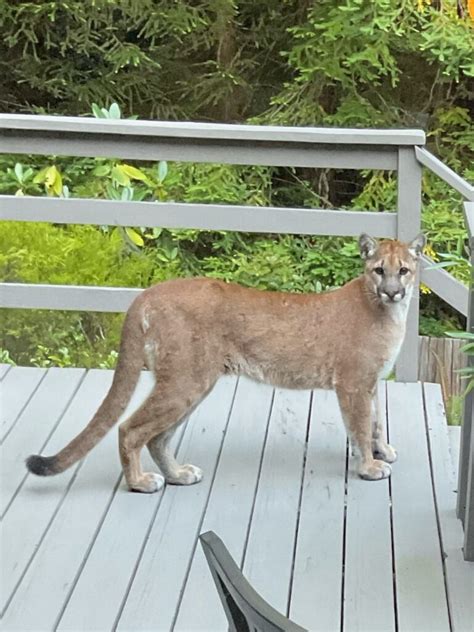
169	403
174	473
356	409
380	448
133	435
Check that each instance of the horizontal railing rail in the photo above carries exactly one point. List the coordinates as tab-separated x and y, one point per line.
203	142
445	173
255	219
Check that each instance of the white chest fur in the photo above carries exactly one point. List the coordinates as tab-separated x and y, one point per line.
399	313
388	365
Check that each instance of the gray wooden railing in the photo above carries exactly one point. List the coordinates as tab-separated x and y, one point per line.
401	151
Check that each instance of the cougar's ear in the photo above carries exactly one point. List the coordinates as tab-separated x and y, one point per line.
416	246
367	246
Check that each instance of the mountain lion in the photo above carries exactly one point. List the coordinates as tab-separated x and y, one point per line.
189	332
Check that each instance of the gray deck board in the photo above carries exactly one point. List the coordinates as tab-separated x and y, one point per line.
421	596
4	368
230	503
278	498
368	581
316	590
34	427
81	553
16	389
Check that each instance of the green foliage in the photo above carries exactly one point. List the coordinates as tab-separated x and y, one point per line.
468	348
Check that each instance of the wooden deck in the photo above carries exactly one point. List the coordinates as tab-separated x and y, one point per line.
335	553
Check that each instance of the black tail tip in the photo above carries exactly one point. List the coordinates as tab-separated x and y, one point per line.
42	465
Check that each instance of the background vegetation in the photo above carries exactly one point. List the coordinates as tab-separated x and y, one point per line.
359	63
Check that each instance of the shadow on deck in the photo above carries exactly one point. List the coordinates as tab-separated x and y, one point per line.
331	551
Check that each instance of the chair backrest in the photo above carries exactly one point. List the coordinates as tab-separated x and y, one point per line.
246	611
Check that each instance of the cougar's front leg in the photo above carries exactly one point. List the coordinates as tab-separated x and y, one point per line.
380	448
174	473
356	409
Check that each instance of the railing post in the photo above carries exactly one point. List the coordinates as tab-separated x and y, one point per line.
465	506
409	223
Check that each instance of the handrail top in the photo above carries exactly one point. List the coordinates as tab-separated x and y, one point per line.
212	131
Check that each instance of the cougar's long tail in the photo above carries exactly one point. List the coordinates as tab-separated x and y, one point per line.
130	363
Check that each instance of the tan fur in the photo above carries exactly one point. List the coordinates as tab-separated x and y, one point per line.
189	332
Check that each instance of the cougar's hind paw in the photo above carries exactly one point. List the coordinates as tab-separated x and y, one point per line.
148	483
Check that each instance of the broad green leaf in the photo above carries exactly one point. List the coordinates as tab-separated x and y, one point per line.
120	176
127	194
19	171
113	193
50	176
58	184
96	111
19	193
469	388
114	111
133	172
40	176
162	170
105	113
464	335
101	170
135	237
53	181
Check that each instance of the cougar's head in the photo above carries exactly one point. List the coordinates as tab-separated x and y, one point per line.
390	266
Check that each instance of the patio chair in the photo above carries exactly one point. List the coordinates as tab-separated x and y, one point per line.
245	610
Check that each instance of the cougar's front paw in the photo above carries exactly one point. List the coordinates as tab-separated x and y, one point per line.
185	475
148	483
385	452
375	471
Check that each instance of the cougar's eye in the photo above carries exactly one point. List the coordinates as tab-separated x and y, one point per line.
378	270
403	271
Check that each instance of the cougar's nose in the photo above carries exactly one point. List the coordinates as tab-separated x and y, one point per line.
396	295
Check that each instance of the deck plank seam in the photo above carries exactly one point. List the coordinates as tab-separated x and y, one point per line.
257	482
41	540
392	531
143	546
344	533
87	553
23	408
45	443
300	498
193	551
438	521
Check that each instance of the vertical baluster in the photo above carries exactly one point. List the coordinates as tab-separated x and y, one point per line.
409	222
